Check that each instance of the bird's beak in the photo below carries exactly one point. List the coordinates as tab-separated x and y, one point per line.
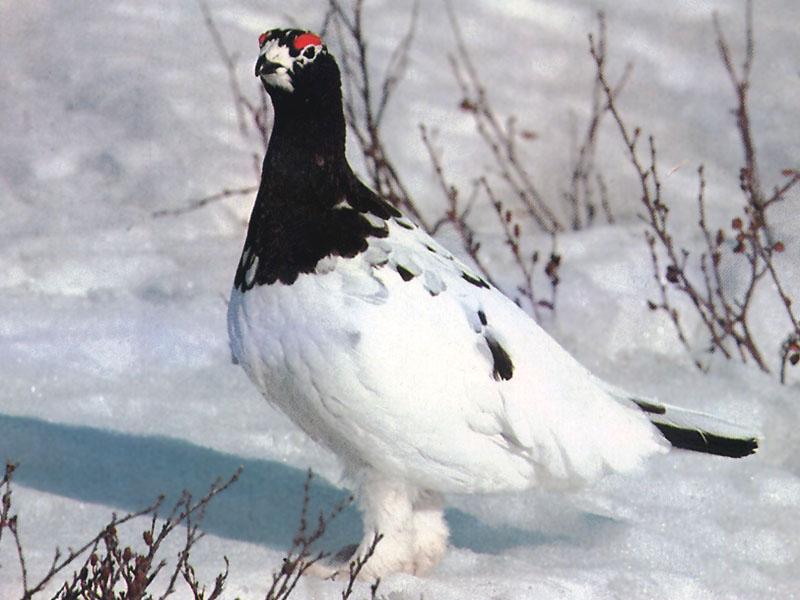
264	66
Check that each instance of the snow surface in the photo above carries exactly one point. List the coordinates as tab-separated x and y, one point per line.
117	384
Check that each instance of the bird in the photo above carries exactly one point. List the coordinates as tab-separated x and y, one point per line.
381	345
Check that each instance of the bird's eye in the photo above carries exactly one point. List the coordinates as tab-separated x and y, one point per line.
309	52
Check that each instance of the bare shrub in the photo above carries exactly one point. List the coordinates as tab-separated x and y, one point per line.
302	556
524	217
724	313
106	567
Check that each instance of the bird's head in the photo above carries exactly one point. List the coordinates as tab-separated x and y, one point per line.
288	59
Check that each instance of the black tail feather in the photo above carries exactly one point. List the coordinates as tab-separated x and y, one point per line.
702	441
699	432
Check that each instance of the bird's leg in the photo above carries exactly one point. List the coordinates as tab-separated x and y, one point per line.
388	511
430	531
410	523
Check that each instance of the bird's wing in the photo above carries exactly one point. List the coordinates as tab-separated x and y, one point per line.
467	381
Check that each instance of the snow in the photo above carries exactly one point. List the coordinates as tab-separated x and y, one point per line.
117	382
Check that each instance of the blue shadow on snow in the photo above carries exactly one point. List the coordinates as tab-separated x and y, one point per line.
128	472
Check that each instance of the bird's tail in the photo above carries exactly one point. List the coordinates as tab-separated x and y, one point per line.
692	430
700	432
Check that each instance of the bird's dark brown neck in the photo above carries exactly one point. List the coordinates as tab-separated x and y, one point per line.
308	129
305	168
309	204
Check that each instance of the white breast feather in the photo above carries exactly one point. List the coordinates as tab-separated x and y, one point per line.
393	373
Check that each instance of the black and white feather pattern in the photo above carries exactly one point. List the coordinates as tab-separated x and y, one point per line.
384	347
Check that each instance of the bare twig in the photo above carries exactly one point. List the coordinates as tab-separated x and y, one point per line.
197	589
358	564
197	203
584	177
726	316
110	570
790	353
364	110
230	64
509	187
456	215
301	556
501	140
61	562
254	117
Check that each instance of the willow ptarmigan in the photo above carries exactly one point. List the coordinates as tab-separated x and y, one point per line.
382	346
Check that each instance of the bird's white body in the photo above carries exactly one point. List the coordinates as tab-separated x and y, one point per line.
396	377
377	342
391	377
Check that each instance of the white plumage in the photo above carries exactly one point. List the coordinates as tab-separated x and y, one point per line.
384	372
421	377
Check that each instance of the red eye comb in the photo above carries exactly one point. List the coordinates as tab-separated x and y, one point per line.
307	39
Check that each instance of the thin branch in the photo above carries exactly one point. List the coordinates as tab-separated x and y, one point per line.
230	63
59	563
497	138
365	104
455	214
198	203
301	556
358	564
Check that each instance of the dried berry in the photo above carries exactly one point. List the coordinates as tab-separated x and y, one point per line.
673	274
